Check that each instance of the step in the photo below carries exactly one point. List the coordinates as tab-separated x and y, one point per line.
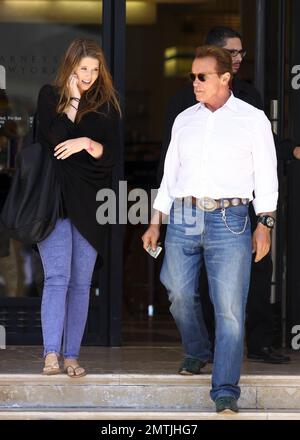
153	392
111	414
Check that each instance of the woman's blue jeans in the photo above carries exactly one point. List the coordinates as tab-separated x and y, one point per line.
68	262
223	240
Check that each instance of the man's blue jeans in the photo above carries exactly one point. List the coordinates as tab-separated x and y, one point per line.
68	261
223	240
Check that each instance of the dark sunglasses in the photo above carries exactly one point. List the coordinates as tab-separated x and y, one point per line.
234	53
201	76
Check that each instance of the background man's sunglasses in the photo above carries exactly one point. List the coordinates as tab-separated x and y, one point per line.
234	53
201	76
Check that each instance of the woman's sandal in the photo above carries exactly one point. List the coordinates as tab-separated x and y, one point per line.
51	367
70	370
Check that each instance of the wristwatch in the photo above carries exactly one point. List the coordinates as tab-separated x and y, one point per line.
267	221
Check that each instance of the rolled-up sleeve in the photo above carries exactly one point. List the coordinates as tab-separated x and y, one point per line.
164	201
265	167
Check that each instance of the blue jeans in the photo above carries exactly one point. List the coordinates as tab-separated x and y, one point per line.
224	242
68	262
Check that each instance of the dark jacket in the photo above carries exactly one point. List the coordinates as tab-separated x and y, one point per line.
80	176
186	98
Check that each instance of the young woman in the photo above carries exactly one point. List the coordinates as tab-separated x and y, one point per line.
78	120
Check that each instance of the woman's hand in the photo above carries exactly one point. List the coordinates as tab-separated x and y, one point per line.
73	86
71	146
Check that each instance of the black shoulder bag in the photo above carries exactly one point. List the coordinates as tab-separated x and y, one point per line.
31	208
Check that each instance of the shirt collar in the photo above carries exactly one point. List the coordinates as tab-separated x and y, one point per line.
230	103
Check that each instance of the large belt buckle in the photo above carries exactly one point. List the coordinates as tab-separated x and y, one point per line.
207	204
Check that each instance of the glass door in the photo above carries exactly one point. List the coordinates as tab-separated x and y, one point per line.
161	37
33	36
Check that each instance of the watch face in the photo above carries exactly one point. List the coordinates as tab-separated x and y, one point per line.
270	222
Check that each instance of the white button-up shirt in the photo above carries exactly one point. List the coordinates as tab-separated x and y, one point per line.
223	154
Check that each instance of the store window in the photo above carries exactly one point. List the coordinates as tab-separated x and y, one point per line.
33	37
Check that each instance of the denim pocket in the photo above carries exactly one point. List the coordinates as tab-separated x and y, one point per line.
238	211
236	219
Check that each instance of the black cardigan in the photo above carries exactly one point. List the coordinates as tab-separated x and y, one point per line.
80	175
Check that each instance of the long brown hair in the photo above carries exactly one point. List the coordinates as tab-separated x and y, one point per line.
101	92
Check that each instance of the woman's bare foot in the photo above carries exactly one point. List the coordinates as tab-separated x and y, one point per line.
73	369
51	364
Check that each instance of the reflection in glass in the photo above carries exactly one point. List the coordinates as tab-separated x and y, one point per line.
35	34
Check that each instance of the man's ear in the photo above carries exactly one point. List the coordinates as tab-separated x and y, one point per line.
226	77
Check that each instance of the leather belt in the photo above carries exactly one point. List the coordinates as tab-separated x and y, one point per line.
208	204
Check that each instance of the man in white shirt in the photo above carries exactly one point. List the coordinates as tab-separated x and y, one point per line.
221	150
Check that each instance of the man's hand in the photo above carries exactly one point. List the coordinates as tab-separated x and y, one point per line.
296	152
261	242
151	237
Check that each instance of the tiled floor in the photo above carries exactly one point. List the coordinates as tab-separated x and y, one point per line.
149	347
158	359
